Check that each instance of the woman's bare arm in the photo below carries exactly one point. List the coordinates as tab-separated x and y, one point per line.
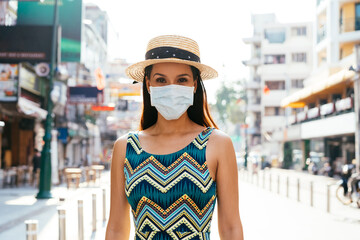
230	227
118	227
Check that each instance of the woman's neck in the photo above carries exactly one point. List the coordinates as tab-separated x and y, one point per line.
163	126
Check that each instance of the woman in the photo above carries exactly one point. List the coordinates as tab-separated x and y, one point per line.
172	171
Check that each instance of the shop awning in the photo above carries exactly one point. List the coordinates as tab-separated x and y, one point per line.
30	108
330	85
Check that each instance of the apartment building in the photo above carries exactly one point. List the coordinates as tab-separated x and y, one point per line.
253	84
322	123
284	54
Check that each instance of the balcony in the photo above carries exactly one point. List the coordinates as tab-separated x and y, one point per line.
327	110
256	39
270	123
254	107
345	124
349	24
254	84
274	97
252	62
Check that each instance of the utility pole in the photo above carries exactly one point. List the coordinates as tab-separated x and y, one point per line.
246	128
357	106
45	168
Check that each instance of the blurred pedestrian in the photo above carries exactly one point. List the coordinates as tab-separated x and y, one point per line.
36	161
171	172
326	169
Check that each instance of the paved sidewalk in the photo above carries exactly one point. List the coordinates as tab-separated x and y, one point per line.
320	183
19	204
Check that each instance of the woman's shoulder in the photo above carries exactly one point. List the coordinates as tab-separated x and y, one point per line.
219	137
122	141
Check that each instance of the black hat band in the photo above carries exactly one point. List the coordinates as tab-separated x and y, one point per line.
171	52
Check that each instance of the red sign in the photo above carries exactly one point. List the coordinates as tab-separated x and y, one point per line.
102	108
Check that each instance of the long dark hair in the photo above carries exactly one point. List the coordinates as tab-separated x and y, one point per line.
198	112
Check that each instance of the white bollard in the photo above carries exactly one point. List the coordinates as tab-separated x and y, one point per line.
62	223
298	190
80	219
93	212
104	204
278	184
31	229
287	186
328	199
311	194
270	182
264	178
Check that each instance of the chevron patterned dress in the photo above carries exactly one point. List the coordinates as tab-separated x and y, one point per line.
171	196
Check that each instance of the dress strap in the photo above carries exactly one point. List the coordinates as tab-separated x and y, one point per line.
201	140
133	140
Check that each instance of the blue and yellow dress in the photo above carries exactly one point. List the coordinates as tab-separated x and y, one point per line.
171	196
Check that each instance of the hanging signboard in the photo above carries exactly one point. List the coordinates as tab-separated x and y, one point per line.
9	80
85	95
29	81
70	17
25	44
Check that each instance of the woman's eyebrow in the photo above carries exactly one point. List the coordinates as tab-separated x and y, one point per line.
162	75
184	75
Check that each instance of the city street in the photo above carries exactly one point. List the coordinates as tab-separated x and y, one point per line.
265	214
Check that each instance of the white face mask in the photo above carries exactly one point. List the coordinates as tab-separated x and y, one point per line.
172	101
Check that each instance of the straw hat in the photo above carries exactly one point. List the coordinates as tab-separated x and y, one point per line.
171	48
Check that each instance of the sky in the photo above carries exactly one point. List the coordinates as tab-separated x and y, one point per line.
217	26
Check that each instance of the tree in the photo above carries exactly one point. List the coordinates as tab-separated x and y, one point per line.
229	98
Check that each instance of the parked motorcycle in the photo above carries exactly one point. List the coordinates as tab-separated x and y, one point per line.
348	189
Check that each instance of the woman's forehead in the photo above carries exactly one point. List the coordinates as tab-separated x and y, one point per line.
171	67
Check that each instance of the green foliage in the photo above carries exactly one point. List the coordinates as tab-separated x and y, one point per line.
229	98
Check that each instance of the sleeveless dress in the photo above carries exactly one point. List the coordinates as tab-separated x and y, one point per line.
171	196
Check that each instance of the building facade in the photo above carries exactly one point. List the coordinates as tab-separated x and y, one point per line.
282	60
322	124
253	84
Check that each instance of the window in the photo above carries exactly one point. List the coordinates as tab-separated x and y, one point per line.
357	16
298	31
297	83
275	85
275	35
274	59
274	111
257	51
299	57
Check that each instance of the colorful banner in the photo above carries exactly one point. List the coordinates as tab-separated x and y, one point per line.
9	79
70	18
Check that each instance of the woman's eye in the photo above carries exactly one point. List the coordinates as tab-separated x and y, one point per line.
182	80
160	80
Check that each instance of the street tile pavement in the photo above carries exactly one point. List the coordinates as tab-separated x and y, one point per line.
20	204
